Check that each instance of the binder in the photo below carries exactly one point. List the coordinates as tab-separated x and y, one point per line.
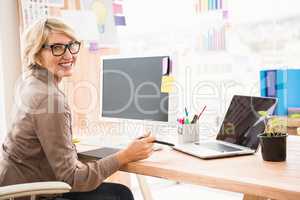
283	84
271	83
263	85
281	92
293	85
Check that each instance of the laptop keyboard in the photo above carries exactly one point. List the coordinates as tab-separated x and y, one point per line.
218	147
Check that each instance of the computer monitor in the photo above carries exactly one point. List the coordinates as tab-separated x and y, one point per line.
131	89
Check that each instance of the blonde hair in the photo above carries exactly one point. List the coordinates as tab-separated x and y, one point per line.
37	35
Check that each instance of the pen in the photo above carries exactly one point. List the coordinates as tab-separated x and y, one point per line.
180	121
186	112
194	119
187	121
164	143
201	112
160	142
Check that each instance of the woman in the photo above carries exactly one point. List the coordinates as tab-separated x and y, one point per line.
39	144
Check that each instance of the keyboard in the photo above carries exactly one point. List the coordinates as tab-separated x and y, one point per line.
218	147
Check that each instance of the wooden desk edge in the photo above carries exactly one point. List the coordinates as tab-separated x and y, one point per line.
225	184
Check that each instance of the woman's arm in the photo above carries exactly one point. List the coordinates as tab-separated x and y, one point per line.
53	129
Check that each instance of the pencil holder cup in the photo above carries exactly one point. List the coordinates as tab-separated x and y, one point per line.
188	133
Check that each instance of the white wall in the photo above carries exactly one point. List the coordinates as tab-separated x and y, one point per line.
10	51
268	38
2	107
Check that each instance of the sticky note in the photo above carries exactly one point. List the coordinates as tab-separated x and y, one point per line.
120	20
117	8
165	66
93	46
225	14
75	140
167	84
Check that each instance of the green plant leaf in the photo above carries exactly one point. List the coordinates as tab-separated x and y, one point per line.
263	113
276	126
294	116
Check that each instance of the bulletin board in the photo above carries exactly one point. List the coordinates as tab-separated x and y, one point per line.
31	10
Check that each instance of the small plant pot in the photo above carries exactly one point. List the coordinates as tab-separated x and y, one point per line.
273	148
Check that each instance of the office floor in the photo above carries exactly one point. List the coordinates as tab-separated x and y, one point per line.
164	189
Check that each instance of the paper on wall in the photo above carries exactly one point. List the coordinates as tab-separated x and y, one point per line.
83	22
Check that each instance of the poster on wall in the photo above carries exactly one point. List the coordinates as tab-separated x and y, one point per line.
56	3
103	10
33	10
86	31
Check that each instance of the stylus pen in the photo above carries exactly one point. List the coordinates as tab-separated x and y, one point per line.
164	143
160	142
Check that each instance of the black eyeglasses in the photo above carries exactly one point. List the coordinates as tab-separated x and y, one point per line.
60	49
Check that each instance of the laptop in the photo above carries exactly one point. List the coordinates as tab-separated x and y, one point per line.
238	131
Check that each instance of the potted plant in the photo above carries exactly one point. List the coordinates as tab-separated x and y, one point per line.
273	140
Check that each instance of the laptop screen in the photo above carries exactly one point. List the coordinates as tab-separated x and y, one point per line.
242	123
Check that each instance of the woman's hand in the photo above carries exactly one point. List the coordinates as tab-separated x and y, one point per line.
137	150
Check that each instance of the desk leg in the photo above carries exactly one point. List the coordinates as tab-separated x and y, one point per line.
120	177
253	197
144	187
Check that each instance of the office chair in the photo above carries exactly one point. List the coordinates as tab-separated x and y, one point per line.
33	189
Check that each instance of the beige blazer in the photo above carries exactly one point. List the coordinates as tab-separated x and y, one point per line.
39	147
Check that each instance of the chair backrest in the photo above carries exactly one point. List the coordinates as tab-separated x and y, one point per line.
33	189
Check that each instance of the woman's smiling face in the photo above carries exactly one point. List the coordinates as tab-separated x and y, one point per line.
55	59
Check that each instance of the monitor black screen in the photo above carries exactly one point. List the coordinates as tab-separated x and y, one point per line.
242	123
131	89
